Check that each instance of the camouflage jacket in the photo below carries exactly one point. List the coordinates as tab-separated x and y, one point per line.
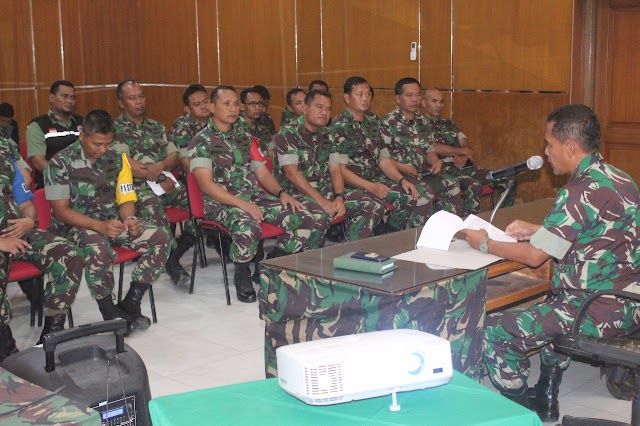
444	131
260	131
593	229
311	152
267	121
9	148
90	186
287	117
182	131
361	142
408	141
228	156
8	207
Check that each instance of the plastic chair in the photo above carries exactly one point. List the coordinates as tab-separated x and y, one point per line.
487	190
23	271
125	255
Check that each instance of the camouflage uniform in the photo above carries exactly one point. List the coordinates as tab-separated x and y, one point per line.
409	142
60	260
287	117
592	232
260	132
470	177
183	130
228	156
267	121
91	189
148	143
364	147
312	153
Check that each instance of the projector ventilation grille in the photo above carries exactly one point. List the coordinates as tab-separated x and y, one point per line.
323	380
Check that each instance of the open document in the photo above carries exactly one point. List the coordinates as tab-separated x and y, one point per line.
435	247
157	189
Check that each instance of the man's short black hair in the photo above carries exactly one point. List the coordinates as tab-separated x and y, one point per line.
216	91
292	92
56	84
404	81
245	92
264	92
319	83
354	81
576	122
6	110
194	88
98	121
119	90
311	94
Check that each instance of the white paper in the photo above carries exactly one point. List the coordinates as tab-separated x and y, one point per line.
157	189
460	256
496	234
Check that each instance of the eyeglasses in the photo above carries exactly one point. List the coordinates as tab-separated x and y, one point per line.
255	104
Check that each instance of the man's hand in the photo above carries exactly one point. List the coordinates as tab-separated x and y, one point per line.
460	161
111	228
154	170
13	245
168	185
132	226
253	210
469	152
410	188
436	167
19	227
380	190
521	230
341	209
328	206
474	237
407	170
289	202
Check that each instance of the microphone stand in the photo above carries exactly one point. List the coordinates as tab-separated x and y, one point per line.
510	185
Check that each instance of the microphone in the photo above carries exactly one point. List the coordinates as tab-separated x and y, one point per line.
533	163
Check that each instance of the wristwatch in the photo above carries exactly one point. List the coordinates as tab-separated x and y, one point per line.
484	246
339	194
161	178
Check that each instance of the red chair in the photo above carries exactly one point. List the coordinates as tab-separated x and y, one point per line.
23	271
487	190
204	226
176	215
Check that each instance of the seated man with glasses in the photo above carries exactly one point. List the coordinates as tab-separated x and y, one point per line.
253	107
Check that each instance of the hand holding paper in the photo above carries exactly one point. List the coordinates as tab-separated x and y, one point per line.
157	189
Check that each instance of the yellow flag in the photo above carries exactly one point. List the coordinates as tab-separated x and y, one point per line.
124	189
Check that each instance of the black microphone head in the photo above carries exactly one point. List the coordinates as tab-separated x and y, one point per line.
535	162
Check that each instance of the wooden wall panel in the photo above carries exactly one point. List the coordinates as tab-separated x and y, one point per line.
507	128
625	67
384	102
164	104
86	26
277	103
98	98
46	36
207	30
508	45
309	52
436	43
370	38
24	104
625	156
257	42
16	65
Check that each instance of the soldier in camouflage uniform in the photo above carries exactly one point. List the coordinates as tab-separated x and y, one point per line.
80	182
195	118
408	138
295	106
252	109
370	167
309	164
265	119
150	154
457	156
228	165
592	232
20	237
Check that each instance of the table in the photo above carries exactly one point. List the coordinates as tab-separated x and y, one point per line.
303	298
22	402
461	402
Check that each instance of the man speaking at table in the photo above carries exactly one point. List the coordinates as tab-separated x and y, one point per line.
592	233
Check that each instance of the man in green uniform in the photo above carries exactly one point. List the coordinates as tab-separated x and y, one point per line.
81	183
309	164
249	121
228	165
20	238
592	233
408	138
151	154
294	107
195	118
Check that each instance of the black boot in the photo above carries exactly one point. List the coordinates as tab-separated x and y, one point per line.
547	388
255	278
7	342
277	252
335	233
110	311
51	325
131	304
175	271
518	396
242	281
383	228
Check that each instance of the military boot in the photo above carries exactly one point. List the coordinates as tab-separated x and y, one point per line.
255	278
383	228
242	281
518	396
110	311
7	342
277	252
547	389
175	271
51	325
131	304
335	233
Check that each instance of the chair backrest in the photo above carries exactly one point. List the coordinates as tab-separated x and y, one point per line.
43	209
196	202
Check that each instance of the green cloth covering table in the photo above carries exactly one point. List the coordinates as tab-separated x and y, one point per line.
24	403
461	402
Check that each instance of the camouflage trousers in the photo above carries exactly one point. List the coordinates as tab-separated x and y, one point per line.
447	190
153	244
471	180
301	228
405	210
61	262
509	335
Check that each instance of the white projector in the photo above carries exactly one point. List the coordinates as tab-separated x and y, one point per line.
360	366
